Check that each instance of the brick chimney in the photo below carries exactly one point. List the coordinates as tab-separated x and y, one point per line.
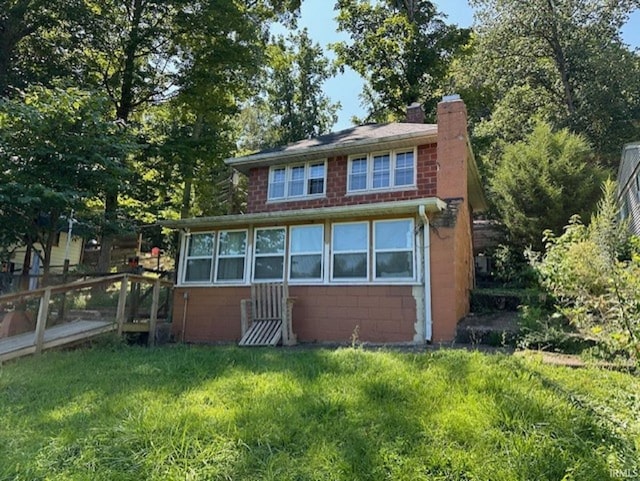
415	114
452	148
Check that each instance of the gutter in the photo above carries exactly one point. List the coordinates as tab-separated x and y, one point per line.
426	257
430	204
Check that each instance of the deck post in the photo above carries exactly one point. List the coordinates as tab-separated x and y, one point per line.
153	318
122	303
41	323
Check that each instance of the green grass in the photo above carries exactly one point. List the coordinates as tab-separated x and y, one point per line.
209	413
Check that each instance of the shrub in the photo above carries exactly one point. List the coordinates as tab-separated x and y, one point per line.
593	272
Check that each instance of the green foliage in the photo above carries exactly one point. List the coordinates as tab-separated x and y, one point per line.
58	151
541	181
594	274
126	413
562	61
401	49
291	105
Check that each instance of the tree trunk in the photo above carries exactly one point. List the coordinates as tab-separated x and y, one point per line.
560	60
185	208
26	265
106	239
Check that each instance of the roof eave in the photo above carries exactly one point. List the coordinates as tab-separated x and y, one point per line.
431	204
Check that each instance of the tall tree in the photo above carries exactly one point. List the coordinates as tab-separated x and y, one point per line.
562	60
402	48
292	104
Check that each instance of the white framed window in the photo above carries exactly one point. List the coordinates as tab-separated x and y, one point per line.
306	245
198	258
358	173
382	171
316	179
232	251
403	173
350	251
268	258
295	181
393	246
277	183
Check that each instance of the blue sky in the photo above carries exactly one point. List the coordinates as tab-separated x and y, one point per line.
318	17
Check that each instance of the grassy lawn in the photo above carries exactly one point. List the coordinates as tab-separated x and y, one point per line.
180	413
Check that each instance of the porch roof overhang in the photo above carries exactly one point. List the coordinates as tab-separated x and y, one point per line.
430	204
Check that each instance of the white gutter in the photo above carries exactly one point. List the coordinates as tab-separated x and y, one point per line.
426	258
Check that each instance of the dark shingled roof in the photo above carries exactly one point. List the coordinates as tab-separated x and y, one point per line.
358	133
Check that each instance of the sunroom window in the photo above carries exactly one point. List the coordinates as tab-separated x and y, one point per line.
306	246
269	254
393	248
350	247
199	257
232	249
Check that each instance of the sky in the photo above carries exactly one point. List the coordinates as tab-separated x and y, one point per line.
318	17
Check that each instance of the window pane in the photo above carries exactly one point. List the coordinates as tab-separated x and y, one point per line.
198	270
306	266
233	243
358	174
350	266
316	186
268	267
296	184
404	169
397	234
350	237
381	171
306	239
200	245
316	171
276	185
394	264
231	269
270	241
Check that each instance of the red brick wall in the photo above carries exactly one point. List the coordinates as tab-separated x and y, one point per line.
336	188
320	313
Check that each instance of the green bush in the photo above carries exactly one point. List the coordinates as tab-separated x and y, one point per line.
593	272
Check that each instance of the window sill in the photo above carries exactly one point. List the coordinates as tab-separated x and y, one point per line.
302	198
381	191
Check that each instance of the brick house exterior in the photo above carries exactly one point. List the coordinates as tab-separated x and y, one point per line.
370	227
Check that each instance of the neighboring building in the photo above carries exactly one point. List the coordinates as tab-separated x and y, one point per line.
629	186
354	222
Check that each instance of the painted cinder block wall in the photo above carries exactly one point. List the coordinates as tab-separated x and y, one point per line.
320	313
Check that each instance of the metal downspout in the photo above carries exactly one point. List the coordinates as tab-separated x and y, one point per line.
426	258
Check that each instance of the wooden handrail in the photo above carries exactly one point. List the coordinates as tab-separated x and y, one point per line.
16	296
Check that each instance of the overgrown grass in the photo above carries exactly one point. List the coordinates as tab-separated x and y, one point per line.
180	413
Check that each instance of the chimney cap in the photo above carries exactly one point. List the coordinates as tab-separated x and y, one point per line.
450	98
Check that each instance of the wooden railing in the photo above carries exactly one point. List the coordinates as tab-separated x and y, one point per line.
122	322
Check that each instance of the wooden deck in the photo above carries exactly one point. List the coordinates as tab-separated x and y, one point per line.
44	337
25	344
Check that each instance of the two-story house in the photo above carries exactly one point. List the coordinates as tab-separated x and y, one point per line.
369	226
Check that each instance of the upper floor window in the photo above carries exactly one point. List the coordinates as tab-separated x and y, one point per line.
384	170
297	181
